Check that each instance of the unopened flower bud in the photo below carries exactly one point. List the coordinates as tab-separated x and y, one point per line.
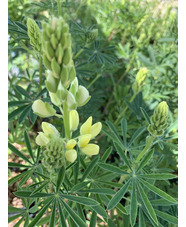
74	87
71	155
55	99
51	83
82	96
71	102
43	109
42	139
74	120
49	129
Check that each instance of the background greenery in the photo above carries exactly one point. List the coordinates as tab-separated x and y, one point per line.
131	34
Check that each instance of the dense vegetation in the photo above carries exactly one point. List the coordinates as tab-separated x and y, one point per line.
124	54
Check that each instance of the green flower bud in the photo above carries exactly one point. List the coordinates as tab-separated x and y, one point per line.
43	109
64	75
74	87
67	56
55	99
82	96
61	92
55	68
159	120
72	73
53	41
59	53
34	34
71	102
54	155
49	50
47	63
51	83
140	80
92	35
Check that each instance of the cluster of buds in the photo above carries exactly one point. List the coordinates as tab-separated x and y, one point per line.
159	120
140	80
58	150
34	34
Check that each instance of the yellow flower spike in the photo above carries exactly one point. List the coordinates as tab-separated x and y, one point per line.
49	129
71	155
95	129
74	120
42	139
70	144
90	149
84	140
85	128
43	109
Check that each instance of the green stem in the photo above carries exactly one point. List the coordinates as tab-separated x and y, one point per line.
146	148
123	112
40	72
59	7
66	120
94	80
78	53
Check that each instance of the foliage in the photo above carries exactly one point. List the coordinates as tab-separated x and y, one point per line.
122	53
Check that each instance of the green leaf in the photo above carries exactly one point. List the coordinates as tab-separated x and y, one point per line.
152	55
121	153
43	176
161	202
18	153
10	219
53	215
124	131
22	91
28	194
112	168
60	178
73	215
141	219
61	216
158	176
136	134
118	196
80	211
133	204
18	103
99	210
90	168
111	223
43	221
106	191
16	112
12	164
167	217
40	214
146	116
79	186
158	191
26	177
15	210
39	188
27	141
106	154
147	204
24	114
18	224
145	160
16	178
80	199
93	219
115	133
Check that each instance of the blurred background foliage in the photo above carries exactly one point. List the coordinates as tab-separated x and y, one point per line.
112	40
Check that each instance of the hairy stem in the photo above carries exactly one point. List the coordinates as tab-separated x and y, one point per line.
66	120
146	148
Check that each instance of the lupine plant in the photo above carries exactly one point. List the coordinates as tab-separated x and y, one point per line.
73	184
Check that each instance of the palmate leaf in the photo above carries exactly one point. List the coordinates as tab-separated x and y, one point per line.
145	160
39	188
106	191
15	210
25	113
79	186
112	168
80	199
53	215
80	211
60	179
158	191
93	219
28	145
133	204
79	222
146	116
90	168
16	178
61	215
18	165
40	214
118	196
141	219
136	134
10	219
158	176
124	131
147	203
167	217
22	91
16	112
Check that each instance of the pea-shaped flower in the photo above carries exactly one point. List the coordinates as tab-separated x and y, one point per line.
74	120
43	109
71	155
